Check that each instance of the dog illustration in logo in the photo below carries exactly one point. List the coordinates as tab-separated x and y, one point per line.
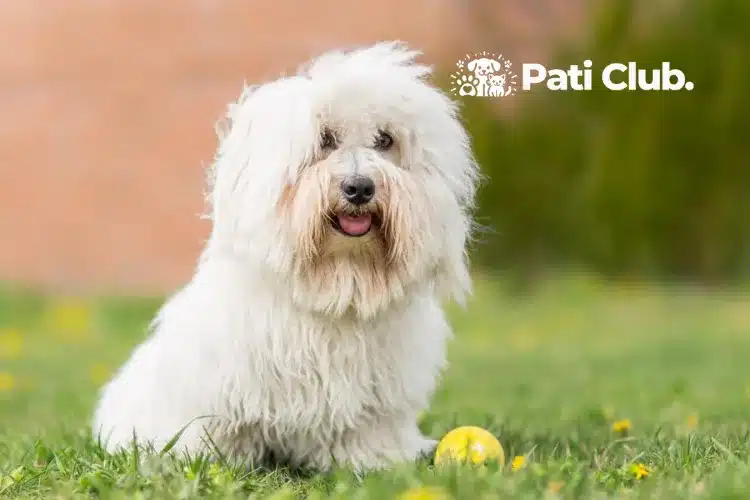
497	85
483	68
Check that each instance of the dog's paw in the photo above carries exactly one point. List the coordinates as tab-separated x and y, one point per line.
378	448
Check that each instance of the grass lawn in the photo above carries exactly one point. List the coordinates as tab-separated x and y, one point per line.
599	390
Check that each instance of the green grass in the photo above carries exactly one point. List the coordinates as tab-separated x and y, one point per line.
548	373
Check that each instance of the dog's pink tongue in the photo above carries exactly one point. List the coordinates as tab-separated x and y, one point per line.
355	225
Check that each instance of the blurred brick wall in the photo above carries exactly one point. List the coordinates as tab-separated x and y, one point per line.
107	110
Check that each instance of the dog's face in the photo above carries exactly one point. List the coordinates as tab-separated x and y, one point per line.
352	181
497	80
483	67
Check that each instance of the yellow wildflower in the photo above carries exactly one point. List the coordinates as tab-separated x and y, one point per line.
99	373
692	421
518	462
11	343
640	471
424	493
623	425
71	319
7	382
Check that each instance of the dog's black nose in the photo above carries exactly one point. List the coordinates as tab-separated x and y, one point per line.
358	189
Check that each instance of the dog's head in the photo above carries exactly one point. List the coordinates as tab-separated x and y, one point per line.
497	80
352	182
483	66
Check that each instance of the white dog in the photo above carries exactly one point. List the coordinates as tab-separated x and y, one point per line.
312	331
483	68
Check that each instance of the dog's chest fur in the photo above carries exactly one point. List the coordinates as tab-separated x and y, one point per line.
310	373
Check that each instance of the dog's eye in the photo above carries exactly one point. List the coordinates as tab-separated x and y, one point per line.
328	140
383	141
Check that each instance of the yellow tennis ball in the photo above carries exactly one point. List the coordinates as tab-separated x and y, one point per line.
469	444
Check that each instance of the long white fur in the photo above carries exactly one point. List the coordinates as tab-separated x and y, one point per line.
292	338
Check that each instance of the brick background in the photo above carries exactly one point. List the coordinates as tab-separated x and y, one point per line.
107	110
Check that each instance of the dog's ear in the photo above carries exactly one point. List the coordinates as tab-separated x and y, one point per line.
472	64
495	65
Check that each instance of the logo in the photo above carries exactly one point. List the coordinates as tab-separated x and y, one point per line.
483	75
491	75
614	76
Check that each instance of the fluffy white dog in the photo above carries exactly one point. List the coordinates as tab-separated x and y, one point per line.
312	331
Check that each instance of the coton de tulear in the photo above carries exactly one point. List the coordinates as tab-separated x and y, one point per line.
312	329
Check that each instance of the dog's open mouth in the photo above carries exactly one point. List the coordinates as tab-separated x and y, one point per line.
354	225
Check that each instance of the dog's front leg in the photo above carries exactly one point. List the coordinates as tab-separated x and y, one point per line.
384	443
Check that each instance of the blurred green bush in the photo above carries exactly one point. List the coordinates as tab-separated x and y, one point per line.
654	184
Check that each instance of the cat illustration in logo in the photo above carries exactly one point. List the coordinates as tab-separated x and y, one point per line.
497	85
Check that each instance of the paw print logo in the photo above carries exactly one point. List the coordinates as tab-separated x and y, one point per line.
466	85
